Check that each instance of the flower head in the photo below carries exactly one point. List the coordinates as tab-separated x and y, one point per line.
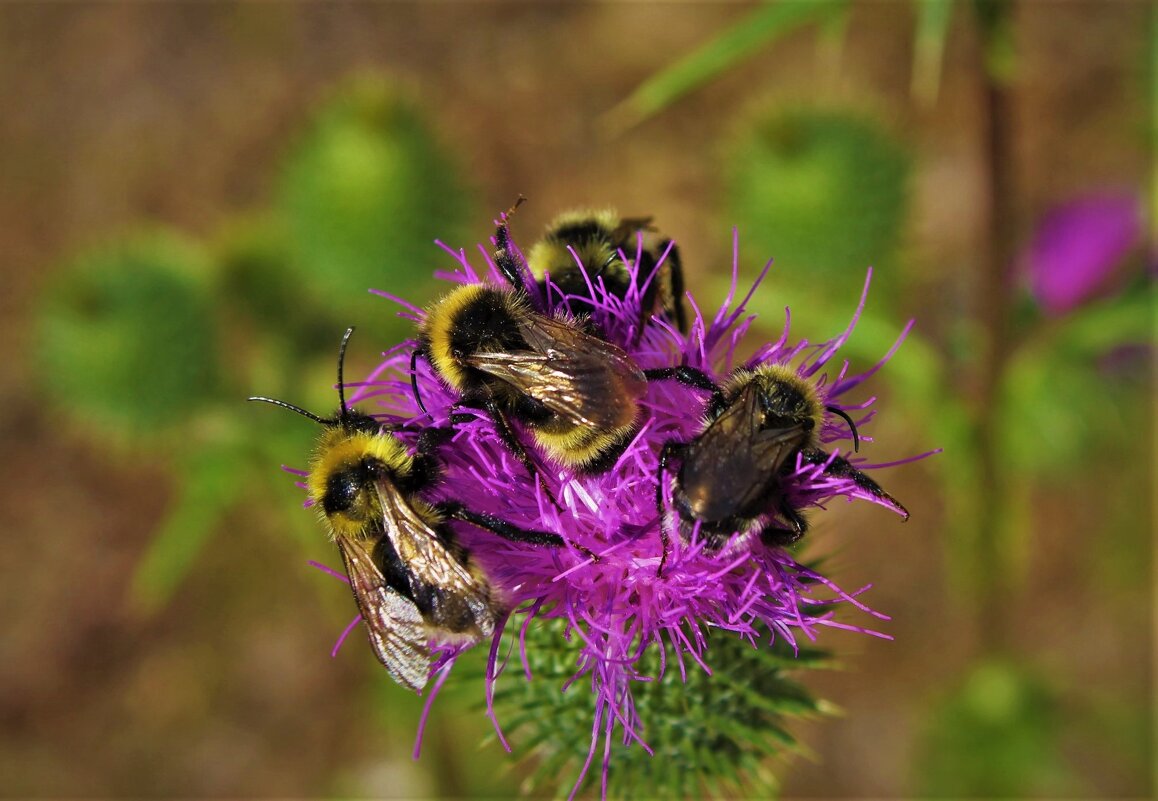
1077	247
626	622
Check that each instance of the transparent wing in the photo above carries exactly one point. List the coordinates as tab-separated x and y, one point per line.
419	546
397	631
581	378
456	599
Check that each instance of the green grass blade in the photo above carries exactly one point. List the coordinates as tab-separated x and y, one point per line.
759	29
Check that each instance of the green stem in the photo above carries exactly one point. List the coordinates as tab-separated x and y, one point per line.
993	313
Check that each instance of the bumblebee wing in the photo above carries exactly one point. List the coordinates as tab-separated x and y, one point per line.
771	447
739	427
454	598
397	631
581	378
734	450
419	545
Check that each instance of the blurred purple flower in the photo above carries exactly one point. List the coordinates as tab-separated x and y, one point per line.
618	607
1077	246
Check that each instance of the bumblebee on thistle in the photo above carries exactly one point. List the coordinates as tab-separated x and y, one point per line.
413	582
584	404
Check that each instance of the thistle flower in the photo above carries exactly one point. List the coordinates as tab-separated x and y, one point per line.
1078	246
623	626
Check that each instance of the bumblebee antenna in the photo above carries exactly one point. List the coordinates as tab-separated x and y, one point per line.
341	360
292	408
414	378
851	424
515	207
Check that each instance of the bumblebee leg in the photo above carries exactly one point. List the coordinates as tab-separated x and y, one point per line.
508	438
501	527
669	450
696	379
665	549
507	530
677	288
841	468
432	437
688	376
776	535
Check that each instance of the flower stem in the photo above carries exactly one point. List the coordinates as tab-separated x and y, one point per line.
993	315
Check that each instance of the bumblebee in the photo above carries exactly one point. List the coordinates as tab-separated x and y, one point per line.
413	582
577	395
599	240
730	478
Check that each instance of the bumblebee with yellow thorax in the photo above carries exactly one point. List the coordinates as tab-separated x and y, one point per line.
577	395
599	240
413	582
730	481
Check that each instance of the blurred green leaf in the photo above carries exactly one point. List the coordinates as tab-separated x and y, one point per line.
1111	729
255	260
128	336
254	257
1058	404
995	736
825	193
997	38
364	194
210	479
831	42
933	18
759	29
1151	67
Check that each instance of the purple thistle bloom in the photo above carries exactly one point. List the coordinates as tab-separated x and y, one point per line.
1077	246
619	606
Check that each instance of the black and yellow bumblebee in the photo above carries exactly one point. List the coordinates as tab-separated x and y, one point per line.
413	582
576	394
600	240
730	479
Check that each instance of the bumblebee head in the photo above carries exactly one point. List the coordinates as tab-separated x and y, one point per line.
784	395
347	490
348	471
786	398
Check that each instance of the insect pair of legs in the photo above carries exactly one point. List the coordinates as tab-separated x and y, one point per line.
426	464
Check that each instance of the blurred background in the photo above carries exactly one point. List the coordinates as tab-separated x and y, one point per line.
196	198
